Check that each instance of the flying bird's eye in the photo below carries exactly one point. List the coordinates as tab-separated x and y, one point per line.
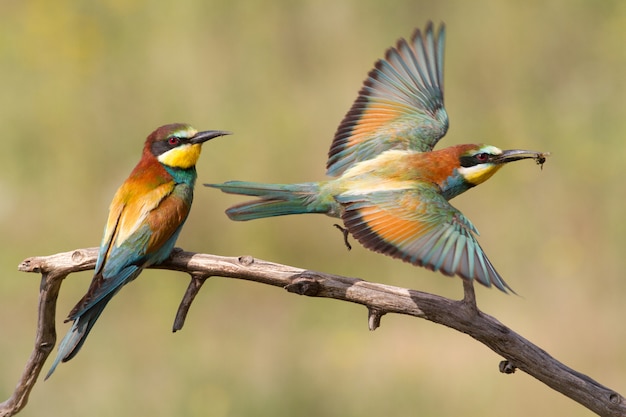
173	140
482	157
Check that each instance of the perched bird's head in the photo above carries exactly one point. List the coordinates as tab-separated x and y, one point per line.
178	145
477	163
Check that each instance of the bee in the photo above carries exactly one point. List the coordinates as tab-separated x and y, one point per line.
541	158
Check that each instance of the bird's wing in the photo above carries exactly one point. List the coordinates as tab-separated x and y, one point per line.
400	105
140	231
419	226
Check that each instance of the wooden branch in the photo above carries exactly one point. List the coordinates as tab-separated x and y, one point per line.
379	299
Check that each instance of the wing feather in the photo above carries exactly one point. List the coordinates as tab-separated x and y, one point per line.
139	233
419	226
400	105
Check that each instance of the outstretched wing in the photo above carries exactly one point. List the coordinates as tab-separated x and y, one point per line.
400	105
419	226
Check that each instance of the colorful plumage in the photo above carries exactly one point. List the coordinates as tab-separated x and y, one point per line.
145	219
391	189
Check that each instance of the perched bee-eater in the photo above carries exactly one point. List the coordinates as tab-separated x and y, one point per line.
145	218
390	188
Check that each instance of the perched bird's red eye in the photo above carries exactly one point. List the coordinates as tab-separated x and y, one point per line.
173	140
482	157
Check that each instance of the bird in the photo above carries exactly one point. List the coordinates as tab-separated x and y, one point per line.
145	218
388	185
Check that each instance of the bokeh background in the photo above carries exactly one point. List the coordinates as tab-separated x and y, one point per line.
83	83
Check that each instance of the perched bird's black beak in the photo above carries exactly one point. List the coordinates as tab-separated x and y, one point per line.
202	137
518	154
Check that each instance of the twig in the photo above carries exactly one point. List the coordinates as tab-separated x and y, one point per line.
52	275
197	280
379	299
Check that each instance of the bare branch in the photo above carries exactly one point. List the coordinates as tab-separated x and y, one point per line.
197	280
380	299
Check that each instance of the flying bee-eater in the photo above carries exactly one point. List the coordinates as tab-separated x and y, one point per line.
389	186
145	218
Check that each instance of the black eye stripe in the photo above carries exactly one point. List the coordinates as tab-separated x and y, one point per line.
467	161
160	147
473	160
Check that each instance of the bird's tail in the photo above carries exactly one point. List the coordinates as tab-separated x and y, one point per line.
76	336
275	199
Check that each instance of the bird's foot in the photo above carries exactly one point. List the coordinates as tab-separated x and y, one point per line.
346	233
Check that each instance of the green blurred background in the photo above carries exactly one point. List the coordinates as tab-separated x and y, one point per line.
84	82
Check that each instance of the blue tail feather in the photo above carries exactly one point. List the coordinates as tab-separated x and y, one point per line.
76	336
275	199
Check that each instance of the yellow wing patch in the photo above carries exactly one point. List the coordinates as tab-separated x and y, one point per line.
371	121
135	209
391	228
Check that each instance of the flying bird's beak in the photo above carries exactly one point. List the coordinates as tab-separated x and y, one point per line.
202	137
519	154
